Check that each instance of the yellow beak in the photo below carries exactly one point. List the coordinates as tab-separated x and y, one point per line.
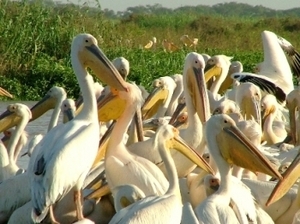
243	153
290	176
156	98
104	69
3	92
180	145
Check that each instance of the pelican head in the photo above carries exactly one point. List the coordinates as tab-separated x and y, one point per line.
172	140
163	88
68	108
292	103
14	112
193	75
227	107
85	48
122	65
268	105
241	151
48	102
235	67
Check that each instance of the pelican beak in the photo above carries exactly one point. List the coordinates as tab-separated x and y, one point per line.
139	125
180	145
156	98
110	107
104	69
267	111
176	113
103	145
243	153
290	176
41	107
68	115
197	88
225	84
99	192
99	187
211	70
3	92
8	119
292	115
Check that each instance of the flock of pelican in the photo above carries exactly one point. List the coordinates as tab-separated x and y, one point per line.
211	145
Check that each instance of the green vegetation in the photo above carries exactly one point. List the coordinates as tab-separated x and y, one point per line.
35	39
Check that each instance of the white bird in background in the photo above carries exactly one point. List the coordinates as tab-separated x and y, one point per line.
274	74
60	166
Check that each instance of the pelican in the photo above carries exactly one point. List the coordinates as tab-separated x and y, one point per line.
197	108
21	143
274	74
218	66
158	101
122	65
188	42
16	110
169	46
272	133
221	129
50	174
167	207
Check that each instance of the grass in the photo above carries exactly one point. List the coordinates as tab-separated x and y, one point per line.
35	43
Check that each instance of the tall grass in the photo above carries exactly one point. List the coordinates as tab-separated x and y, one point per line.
35	42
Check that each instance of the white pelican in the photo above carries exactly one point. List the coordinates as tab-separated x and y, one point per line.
122	65
217	66
272	132
168	207
221	129
169	46
188	42
274	74
159	99
22	112
50	175
21	143
198	112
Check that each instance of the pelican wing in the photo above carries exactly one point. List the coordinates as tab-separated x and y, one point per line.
57	170
262	82
292	53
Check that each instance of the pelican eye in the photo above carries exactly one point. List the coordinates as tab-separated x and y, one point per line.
225	121
86	41
236	76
